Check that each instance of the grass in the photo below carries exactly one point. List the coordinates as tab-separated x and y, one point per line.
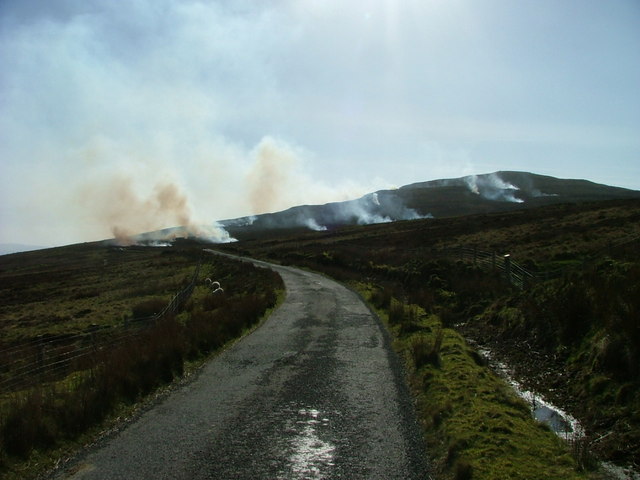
475	426
586	324
68	289
38	423
573	339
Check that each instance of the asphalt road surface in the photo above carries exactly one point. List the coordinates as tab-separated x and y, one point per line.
314	393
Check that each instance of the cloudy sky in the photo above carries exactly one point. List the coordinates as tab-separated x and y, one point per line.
149	113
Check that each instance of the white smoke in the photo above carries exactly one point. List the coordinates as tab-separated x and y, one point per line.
213	233
537	193
378	207
371	209
472	183
313	225
492	187
277	179
100	99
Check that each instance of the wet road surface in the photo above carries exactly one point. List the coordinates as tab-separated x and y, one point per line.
314	393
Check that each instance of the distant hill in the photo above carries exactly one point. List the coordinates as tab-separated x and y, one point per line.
487	193
7	248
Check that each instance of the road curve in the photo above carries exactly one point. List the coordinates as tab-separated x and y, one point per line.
314	393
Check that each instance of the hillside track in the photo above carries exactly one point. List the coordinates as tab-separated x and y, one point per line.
314	393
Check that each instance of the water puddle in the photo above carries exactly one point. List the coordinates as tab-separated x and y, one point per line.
310	457
620	473
561	422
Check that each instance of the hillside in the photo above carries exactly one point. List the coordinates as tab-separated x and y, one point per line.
8	248
488	193
574	337
88	331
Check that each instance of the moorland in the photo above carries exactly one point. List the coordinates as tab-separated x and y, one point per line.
88	332
571	333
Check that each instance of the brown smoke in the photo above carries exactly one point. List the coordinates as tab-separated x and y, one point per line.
117	205
271	176
124	204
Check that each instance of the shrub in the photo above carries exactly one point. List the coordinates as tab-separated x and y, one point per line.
381	297
406	316
425	351
463	470
396	312
148	308
132	363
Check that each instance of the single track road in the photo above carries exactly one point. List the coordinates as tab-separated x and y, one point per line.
314	393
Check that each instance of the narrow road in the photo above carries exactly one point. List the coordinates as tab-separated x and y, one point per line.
314	393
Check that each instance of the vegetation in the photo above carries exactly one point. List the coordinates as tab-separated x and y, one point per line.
39	419
68	290
476	426
573	338
584	326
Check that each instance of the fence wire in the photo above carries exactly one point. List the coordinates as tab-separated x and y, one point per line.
52	358
521	277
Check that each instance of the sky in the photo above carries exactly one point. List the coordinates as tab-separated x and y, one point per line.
130	116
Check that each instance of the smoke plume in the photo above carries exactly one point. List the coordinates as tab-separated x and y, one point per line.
379	207
147	193
271	176
369	209
492	187
117	203
276	179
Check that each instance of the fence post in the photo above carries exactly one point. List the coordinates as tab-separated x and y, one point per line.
507	267
93	332
40	358
475	255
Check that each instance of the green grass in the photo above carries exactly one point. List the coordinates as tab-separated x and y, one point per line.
557	335
475	425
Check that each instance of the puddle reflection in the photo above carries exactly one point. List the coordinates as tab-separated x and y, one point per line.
310	456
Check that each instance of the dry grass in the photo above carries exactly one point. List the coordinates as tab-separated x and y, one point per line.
581	327
68	289
46	416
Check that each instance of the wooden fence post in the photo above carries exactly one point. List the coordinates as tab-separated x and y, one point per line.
40	359
507	267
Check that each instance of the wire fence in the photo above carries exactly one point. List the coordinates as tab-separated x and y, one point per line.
513	273
51	358
521	277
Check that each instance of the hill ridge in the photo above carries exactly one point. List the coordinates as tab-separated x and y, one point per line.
473	194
